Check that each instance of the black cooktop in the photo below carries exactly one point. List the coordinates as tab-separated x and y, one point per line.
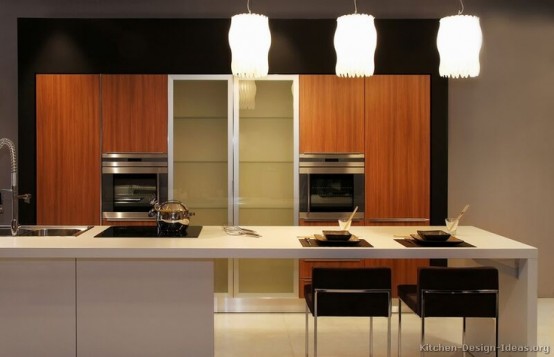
149	232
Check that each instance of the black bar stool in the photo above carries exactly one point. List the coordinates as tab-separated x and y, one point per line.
451	292
349	292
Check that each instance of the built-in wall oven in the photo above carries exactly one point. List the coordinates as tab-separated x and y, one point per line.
331	185
129	183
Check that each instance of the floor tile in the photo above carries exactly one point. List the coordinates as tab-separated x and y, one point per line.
282	334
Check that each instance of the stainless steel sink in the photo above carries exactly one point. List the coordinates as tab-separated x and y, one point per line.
46	231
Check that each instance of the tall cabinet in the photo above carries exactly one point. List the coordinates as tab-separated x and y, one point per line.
397	149
68	149
397	154
387	117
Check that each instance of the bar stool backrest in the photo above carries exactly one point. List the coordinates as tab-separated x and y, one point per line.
352	291
458	292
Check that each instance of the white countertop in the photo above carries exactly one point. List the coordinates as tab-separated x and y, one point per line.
276	242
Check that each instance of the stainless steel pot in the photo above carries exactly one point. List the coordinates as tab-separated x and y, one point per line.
171	214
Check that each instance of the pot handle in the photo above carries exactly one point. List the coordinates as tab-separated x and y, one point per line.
153	212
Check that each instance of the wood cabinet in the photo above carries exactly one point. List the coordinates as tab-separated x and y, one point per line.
397	149
134	113
393	126
68	149
397	154
331	114
77	118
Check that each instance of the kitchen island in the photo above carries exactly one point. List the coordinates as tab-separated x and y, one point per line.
87	296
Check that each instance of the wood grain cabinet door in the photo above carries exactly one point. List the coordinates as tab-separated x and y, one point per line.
397	154
134	113
331	114
68	149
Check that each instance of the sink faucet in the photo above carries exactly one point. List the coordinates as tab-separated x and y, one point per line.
15	196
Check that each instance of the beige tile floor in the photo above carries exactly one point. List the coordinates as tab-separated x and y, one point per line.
282	334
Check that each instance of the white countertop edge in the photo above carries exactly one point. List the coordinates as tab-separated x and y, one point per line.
276	242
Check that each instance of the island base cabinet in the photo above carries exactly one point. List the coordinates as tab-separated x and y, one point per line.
37	307
145	308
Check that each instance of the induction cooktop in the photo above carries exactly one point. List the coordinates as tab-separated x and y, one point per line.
149	232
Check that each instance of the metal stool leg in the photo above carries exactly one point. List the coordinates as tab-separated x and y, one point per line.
422	336
315	335
399	327
388	334
306	346
371	336
463	335
496	333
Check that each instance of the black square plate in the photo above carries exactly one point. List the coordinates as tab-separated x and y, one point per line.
449	242
352	240
436	235
337	235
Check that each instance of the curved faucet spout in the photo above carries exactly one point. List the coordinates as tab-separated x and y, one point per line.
15	196
11	147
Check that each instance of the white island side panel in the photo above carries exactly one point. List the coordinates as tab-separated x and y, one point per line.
37	308
144	308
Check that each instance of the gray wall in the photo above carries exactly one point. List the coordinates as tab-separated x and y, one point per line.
500	123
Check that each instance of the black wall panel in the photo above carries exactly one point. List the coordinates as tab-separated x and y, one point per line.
200	46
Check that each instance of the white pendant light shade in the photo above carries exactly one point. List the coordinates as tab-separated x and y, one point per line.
249	39
247	94
355	43
459	43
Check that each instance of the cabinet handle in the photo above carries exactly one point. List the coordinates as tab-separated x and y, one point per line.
332	260
329	219
384	220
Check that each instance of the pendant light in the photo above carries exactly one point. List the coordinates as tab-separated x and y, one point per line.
355	43
249	39
459	43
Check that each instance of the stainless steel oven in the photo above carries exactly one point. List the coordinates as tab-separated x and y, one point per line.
129	183
331	185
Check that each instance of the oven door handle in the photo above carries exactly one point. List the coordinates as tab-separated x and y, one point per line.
125	200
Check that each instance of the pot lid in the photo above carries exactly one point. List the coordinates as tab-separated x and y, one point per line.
172	206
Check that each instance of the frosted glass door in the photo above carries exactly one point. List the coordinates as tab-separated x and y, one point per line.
266	182
202	113
266	156
200	149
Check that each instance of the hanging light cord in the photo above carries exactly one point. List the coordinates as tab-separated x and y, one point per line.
459	11
248	6
356	7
